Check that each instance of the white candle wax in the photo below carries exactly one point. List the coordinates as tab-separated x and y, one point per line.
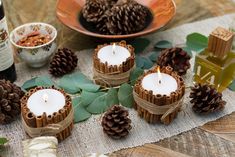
117	57
46	100
166	86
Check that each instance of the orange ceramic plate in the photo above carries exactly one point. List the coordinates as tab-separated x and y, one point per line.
163	11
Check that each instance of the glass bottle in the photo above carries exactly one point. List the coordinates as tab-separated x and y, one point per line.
7	66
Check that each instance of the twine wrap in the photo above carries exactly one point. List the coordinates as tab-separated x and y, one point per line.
152	108
112	79
50	129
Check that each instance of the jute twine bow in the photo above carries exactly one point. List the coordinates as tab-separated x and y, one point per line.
164	110
50	129
114	78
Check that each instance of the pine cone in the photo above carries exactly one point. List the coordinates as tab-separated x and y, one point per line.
64	62
177	58
111	3
126	17
206	99
116	123
10	96
93	10
101	25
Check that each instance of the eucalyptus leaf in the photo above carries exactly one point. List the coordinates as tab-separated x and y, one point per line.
67	83
135	74
112	97
80	113
154	55
140	44
232	86
188	50
89	87
29	84
125	95
197	42
44	81
164	44
3	141
81	78
147	63
98	106
73	83
88	97
139	62
76	101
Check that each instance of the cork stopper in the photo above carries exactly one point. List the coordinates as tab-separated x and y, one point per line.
220	42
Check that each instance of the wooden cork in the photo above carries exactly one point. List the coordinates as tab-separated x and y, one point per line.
105	69
42	121
159	100
220	42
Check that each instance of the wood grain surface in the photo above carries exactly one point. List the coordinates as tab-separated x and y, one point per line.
215	139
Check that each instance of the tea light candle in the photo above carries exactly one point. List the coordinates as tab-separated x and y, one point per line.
113	54
160	83
46	100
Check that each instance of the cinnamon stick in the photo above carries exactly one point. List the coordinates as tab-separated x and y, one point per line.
30	119
44	119
39	122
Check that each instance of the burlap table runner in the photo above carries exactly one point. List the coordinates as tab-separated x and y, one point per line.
88	137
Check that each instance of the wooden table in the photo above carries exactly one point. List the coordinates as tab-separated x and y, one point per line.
215	139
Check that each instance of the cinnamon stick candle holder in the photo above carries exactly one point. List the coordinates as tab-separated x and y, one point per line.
58	124
113	63
155	108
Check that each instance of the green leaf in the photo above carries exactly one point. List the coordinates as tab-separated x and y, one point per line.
197	42
232	86
44	81
3	141
154	56
112	97
88	97
188	50
164	44
80	113
147	63
73	83
140	44
125	95
98	106
29	84
76	101
80	78
68	85
135	74
89	87
139	62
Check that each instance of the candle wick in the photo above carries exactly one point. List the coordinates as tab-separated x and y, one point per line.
113	49
45	98
159	81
